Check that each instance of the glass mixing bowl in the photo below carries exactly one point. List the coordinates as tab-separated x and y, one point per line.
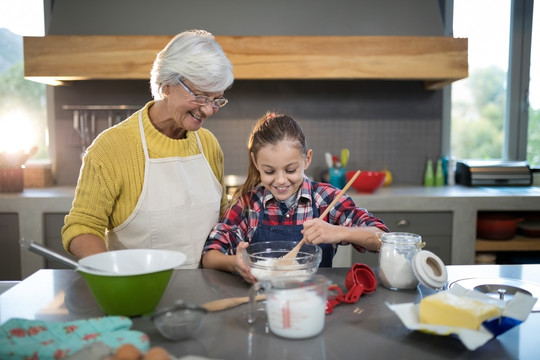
263	259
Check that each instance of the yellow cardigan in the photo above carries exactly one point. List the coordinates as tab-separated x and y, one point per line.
112	173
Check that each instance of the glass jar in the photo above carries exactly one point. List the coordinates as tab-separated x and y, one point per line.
395	260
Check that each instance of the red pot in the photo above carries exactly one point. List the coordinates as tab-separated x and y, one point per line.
497	226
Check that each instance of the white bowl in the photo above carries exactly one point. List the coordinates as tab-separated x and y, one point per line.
133	261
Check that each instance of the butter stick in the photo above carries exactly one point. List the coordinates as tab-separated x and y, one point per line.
447	309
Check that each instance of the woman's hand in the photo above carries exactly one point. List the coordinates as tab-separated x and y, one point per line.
317	231
240	266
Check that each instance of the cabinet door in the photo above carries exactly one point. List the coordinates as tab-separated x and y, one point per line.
10	256
434	227
53	238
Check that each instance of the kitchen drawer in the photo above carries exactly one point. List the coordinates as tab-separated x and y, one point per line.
421	223
10	256
434	227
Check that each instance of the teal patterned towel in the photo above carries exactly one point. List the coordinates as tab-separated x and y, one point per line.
47	340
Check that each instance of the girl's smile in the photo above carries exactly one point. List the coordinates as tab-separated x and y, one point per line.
281	167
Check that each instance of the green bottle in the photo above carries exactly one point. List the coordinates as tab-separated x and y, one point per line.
439	174
429	179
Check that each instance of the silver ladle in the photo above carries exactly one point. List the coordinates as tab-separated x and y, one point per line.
54	256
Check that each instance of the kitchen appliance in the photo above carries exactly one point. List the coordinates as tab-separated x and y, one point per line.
493	173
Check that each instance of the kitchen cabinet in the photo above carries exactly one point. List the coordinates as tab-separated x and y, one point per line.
518	243
53	223
522	249
447	215
10	258
434	227
437	61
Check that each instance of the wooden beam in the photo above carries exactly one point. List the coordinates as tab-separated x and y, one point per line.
436	60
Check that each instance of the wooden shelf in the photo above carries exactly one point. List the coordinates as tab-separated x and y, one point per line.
438	61
518	243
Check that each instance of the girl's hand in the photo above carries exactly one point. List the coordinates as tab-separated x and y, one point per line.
317	231
240	266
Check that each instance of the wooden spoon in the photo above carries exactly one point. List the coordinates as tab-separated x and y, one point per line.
222	304
291	255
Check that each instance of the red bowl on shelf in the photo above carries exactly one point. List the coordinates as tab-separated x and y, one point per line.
496	226
367	181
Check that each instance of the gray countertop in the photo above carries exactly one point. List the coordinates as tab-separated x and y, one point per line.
463	202
367	329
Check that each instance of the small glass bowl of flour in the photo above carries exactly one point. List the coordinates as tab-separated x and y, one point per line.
263	259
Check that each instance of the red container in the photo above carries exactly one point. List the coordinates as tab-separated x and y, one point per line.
367	181
496	226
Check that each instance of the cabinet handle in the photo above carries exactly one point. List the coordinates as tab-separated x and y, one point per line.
402	223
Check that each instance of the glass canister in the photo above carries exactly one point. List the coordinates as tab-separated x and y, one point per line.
395	260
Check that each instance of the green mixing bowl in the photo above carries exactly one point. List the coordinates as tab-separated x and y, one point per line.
135	280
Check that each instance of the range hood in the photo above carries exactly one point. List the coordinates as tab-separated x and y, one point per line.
438	61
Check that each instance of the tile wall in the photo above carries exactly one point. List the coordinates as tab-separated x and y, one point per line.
396	124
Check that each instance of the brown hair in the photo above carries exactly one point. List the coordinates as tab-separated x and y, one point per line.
271	129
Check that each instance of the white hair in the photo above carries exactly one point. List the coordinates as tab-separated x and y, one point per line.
194	55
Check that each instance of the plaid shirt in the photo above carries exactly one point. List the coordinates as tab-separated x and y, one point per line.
239	223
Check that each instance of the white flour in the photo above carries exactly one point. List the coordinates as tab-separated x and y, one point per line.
395	270
272	271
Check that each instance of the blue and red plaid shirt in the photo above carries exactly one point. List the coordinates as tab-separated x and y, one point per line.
239	224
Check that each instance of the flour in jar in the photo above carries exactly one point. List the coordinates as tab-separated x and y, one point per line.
271	270
395	270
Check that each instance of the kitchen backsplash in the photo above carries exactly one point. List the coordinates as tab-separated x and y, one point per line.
396	124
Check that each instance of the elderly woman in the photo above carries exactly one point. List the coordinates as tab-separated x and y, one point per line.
156	179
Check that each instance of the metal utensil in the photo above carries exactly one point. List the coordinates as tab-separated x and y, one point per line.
54	256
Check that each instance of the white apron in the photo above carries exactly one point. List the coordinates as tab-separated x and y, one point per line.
178	206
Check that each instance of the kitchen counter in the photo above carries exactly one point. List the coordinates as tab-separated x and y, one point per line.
367	329
463	202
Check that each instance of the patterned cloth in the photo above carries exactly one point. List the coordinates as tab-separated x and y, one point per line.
44	340
239	224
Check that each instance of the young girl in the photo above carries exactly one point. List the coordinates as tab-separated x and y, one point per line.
277	201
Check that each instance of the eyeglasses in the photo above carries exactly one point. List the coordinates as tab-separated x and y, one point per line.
203	100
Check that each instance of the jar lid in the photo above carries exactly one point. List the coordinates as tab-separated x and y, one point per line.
429	269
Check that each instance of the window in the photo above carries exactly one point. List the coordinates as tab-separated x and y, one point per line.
533	137
23	112
487	116
23	119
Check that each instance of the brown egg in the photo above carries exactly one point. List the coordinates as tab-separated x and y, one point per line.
127	352
157	353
